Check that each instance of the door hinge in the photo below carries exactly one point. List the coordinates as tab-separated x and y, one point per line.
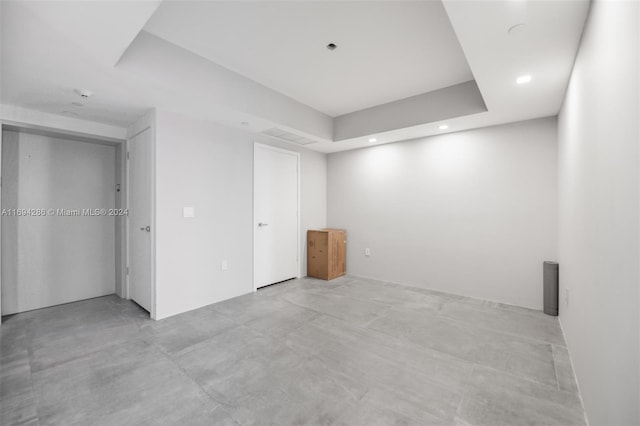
127	155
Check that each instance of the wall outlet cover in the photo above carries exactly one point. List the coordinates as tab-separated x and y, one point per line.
188	212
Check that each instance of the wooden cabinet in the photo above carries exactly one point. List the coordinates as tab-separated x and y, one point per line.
326	253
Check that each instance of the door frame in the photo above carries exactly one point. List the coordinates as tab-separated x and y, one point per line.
117	143
145	123
256	146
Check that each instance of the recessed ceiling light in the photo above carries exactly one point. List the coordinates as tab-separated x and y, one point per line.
443	127
523	79
332	46
373	140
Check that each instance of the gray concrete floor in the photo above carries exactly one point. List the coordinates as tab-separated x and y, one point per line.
346	352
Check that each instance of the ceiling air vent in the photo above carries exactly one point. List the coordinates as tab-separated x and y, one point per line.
288	136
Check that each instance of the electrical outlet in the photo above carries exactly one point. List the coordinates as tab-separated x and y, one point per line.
367	252
188	212
566	297
224	265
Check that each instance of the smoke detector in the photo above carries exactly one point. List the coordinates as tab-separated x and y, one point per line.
84	93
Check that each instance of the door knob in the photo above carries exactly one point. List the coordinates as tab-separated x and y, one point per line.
260	224
146	228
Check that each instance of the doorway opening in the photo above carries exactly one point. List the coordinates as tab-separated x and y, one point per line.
63	224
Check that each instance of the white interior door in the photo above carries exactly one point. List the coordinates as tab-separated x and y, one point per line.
140	219
275	198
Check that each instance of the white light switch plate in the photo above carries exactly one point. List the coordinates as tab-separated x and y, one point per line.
188	212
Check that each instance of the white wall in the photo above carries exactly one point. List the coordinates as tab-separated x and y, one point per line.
449	102
470	213
9	224
120	221
599	214
30	118
210	167
52	260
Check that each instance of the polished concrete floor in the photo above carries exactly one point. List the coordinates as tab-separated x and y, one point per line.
346	352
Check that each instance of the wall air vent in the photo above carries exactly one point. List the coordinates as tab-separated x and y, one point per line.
288	136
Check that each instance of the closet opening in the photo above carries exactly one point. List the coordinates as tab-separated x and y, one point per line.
63	224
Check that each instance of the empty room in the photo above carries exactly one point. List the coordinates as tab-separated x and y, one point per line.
355	213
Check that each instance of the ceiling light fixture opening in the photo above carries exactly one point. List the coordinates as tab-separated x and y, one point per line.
523	79
443	127
332	46
372	140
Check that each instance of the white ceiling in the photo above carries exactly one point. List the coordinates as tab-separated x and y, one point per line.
89	24
387	50
46	55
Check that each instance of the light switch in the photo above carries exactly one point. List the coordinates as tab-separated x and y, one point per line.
188	212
